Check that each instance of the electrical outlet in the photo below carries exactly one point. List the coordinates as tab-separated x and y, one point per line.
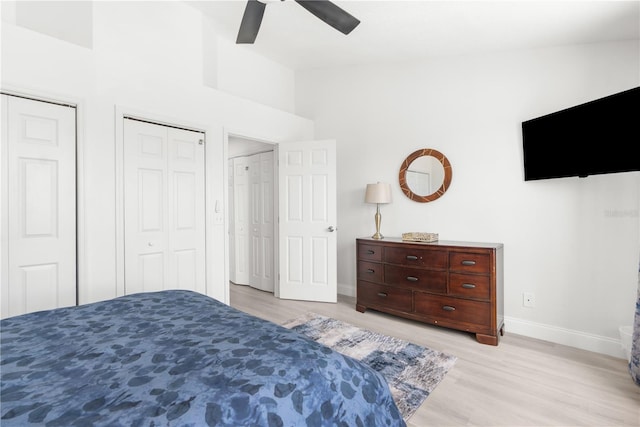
528	299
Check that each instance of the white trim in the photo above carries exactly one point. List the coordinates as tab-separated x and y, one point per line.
4	214
347	290
225	204
120	113
555	334
564	336
79	105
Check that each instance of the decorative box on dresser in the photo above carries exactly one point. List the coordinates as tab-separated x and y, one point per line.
457	285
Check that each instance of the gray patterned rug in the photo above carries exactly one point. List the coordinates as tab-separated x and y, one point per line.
412	371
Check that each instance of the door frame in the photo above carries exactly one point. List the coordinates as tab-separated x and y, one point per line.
79	105
122	112
276	248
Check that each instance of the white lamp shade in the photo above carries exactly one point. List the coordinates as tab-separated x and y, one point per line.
378	193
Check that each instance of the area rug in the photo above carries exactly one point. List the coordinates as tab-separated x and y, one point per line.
412	371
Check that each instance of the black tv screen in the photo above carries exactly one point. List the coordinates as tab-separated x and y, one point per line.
598	137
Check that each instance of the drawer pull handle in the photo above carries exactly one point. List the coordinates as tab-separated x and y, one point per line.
468	262
412	257
412	279
370	252
468	285
370	270
382	294
448	308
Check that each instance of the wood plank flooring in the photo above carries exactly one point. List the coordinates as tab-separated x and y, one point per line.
520	382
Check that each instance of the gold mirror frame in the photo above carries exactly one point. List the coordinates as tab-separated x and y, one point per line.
445	183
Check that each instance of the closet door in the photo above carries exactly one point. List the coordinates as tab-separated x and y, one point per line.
241	208
262	225
38	206
164	208
232	225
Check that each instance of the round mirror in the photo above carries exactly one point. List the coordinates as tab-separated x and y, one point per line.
425	175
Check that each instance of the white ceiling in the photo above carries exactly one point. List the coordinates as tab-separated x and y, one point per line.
394	30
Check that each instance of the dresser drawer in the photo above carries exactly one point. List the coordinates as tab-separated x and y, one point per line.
416	278
370	271
453	309
370	252
372	295
416	256
469	286
470	262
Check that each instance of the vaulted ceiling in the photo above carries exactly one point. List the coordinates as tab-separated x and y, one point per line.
396	30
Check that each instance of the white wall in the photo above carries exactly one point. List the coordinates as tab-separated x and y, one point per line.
146	57
254	77
572	242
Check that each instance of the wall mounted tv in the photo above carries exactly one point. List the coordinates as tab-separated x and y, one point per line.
598	137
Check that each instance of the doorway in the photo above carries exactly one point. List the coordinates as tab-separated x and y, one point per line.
304	205
252	227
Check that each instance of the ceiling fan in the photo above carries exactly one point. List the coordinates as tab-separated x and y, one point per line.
323	9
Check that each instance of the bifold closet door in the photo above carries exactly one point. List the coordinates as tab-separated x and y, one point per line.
232	231
262	225
164	208
38	206
240	221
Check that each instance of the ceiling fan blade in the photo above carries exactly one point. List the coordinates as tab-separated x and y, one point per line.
331	14
251	21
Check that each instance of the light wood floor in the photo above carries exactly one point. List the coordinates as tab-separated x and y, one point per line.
520	382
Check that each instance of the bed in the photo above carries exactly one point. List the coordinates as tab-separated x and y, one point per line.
178	358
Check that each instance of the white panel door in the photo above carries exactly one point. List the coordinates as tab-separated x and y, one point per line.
38	206
261	171
232	231
241	203
164	208
307	221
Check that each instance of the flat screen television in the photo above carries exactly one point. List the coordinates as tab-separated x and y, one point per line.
597	137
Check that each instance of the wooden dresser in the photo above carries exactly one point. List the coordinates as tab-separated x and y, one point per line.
457	285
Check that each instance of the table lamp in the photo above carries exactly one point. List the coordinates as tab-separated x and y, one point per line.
378	193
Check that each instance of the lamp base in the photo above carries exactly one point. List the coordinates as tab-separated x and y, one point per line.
378	218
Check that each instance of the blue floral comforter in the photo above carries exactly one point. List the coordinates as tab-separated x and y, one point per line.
178	358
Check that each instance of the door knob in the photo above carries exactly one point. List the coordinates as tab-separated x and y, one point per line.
331	228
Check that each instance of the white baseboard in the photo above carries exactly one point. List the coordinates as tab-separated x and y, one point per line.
558	335
555	334
347	290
